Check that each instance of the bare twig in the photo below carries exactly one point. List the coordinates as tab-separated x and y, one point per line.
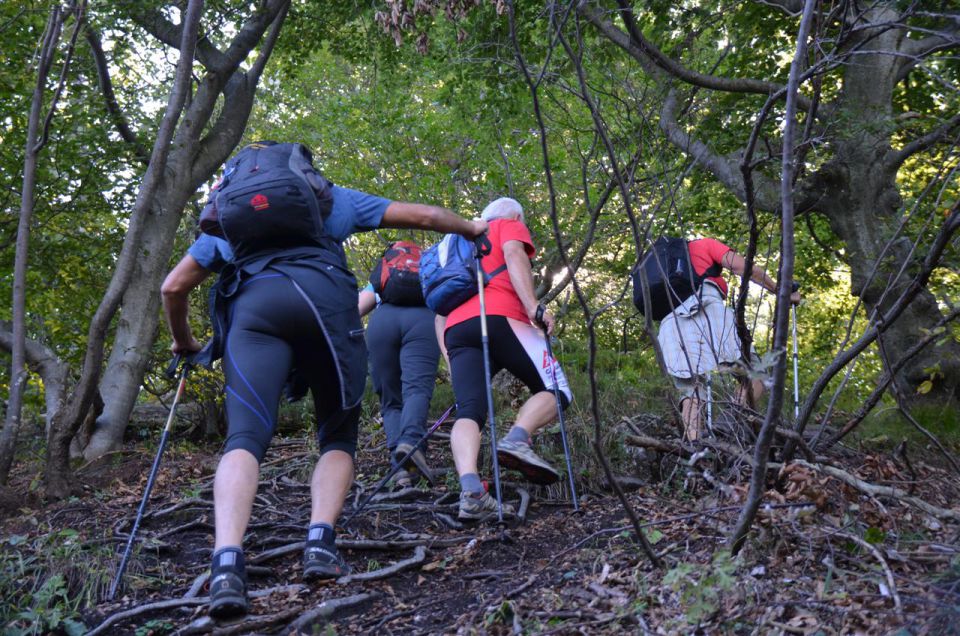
891	585
419	556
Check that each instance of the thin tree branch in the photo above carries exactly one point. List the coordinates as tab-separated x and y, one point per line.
110	98
919	282
884	382
79	17
922	143
758	476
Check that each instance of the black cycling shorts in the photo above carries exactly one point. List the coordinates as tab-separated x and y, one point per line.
274	329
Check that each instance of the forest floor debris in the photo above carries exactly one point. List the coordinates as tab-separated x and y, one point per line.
825	555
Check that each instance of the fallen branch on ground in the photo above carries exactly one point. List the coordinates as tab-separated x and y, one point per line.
326	610
419	556
881	491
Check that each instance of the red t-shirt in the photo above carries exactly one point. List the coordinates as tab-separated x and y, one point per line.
499	296
704	253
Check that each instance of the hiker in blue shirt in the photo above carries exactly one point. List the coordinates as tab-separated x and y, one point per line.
287	310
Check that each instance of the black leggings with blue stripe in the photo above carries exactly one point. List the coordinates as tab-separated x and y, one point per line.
273	329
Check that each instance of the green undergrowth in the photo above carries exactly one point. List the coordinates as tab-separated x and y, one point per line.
46	580
886	427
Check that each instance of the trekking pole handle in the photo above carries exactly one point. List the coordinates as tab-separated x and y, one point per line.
541	310
171	371
483	245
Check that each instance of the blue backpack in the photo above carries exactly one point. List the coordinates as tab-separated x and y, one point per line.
448	272
269	197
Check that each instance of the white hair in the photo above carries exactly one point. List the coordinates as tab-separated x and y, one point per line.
502	208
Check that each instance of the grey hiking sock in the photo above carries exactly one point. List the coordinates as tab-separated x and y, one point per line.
471	483
228	558
323	534
517	434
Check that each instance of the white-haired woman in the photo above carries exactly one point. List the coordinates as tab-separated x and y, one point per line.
516	344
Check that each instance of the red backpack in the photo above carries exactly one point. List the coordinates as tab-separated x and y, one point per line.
396	278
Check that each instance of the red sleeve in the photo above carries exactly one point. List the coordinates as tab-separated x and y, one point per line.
713	249
513	230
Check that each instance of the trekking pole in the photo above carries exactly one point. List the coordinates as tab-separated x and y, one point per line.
396	469
480	247
171	370
556	392
796	362
710	401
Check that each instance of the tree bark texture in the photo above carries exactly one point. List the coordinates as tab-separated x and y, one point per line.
70	418
862	202
192	161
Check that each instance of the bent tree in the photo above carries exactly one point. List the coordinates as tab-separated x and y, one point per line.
205	117
212	122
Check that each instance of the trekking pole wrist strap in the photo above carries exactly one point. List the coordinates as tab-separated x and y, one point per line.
538	316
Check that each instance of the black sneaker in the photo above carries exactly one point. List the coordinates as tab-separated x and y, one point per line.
417	461
228	594
321	562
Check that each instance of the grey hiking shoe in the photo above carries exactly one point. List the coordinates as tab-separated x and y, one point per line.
417	461
321	563
474	508
520	456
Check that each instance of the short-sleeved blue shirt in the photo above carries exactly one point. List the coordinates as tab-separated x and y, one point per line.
353	211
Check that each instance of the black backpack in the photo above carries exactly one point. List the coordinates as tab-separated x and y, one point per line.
269	197
666	271
396	278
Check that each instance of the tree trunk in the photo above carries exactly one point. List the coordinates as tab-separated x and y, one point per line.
192	160
139	316
864	205
68	421
33	145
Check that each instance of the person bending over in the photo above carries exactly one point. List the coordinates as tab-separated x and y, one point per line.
517	345
289	310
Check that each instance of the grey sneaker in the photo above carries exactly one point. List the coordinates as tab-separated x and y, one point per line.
417	461
520	456
474	508
228	594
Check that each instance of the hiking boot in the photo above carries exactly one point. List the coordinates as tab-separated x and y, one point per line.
416	462
321	563
473	508
520	457
228	594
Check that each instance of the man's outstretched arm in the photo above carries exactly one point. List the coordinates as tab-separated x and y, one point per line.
419	216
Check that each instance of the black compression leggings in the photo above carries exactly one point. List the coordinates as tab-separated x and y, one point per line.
507	351
273	329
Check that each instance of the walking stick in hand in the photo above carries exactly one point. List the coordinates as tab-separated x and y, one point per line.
556	392
171	371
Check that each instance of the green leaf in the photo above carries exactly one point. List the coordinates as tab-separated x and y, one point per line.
874	536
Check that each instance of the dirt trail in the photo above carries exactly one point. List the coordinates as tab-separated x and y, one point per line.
806	568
